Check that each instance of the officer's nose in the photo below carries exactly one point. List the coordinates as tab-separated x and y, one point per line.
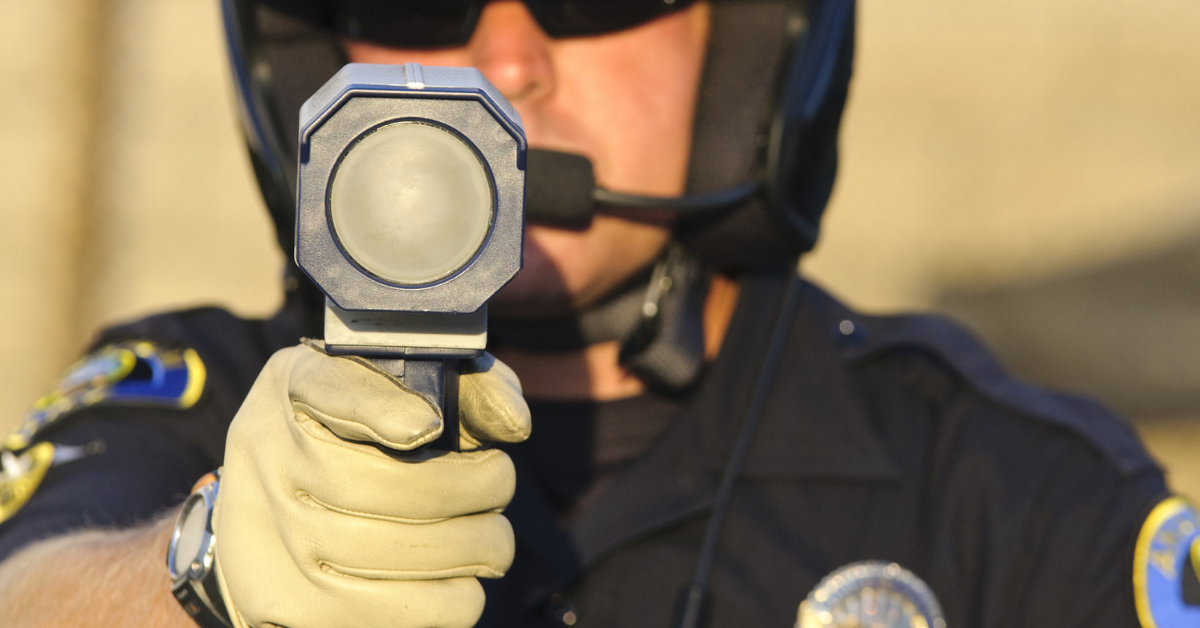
513	52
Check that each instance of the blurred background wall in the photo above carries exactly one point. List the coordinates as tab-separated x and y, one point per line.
126	187
1031	166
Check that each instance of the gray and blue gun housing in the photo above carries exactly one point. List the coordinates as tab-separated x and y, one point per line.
413	301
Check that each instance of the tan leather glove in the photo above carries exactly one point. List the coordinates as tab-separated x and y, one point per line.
323	520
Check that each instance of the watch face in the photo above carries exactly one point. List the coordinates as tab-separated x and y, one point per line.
190	532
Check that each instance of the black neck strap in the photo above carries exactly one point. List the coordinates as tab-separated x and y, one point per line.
658	317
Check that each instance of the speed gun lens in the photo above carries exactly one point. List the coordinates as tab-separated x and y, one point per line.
411	203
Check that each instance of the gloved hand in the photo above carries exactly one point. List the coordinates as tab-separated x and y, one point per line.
323	520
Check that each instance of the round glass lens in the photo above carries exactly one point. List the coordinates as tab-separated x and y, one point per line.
411	203
191	533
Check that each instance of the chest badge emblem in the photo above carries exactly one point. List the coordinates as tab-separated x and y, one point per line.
873	593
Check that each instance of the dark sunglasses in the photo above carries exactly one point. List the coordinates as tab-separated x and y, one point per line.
441	23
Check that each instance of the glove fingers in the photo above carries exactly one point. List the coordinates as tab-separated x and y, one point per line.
491	406
381	410
359	547
426	486
358	402
450	603
364	603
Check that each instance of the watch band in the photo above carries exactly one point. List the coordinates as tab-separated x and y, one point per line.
194	576
199	607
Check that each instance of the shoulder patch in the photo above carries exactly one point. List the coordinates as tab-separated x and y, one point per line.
139	373
1165	564
21	475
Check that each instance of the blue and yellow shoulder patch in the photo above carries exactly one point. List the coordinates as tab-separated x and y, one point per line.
139	373
21	475
1166	561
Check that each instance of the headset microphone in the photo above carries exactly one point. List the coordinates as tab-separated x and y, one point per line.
561	190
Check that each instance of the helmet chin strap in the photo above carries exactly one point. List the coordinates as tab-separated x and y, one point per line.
657	316
561	190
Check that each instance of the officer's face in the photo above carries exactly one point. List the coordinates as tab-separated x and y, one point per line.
626	100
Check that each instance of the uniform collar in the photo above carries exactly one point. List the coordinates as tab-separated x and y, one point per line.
813	426
812	429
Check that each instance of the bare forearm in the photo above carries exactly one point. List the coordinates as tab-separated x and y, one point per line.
92	578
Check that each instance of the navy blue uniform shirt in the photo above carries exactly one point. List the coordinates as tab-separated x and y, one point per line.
893	438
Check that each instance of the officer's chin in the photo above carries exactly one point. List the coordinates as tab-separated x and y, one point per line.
566	271
539	291
528	298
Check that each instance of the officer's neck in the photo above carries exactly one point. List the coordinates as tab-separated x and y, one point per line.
594	372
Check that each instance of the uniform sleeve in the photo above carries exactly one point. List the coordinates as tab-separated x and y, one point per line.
1074	565
117	442
128	471
123	437
1033	525
1103	596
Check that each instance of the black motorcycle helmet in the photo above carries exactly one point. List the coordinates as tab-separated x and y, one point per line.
765	141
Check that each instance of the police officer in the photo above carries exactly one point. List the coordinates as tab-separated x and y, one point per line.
719	443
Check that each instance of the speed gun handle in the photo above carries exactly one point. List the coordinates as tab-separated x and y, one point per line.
437	381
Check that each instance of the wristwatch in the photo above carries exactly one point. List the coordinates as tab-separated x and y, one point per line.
191	557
